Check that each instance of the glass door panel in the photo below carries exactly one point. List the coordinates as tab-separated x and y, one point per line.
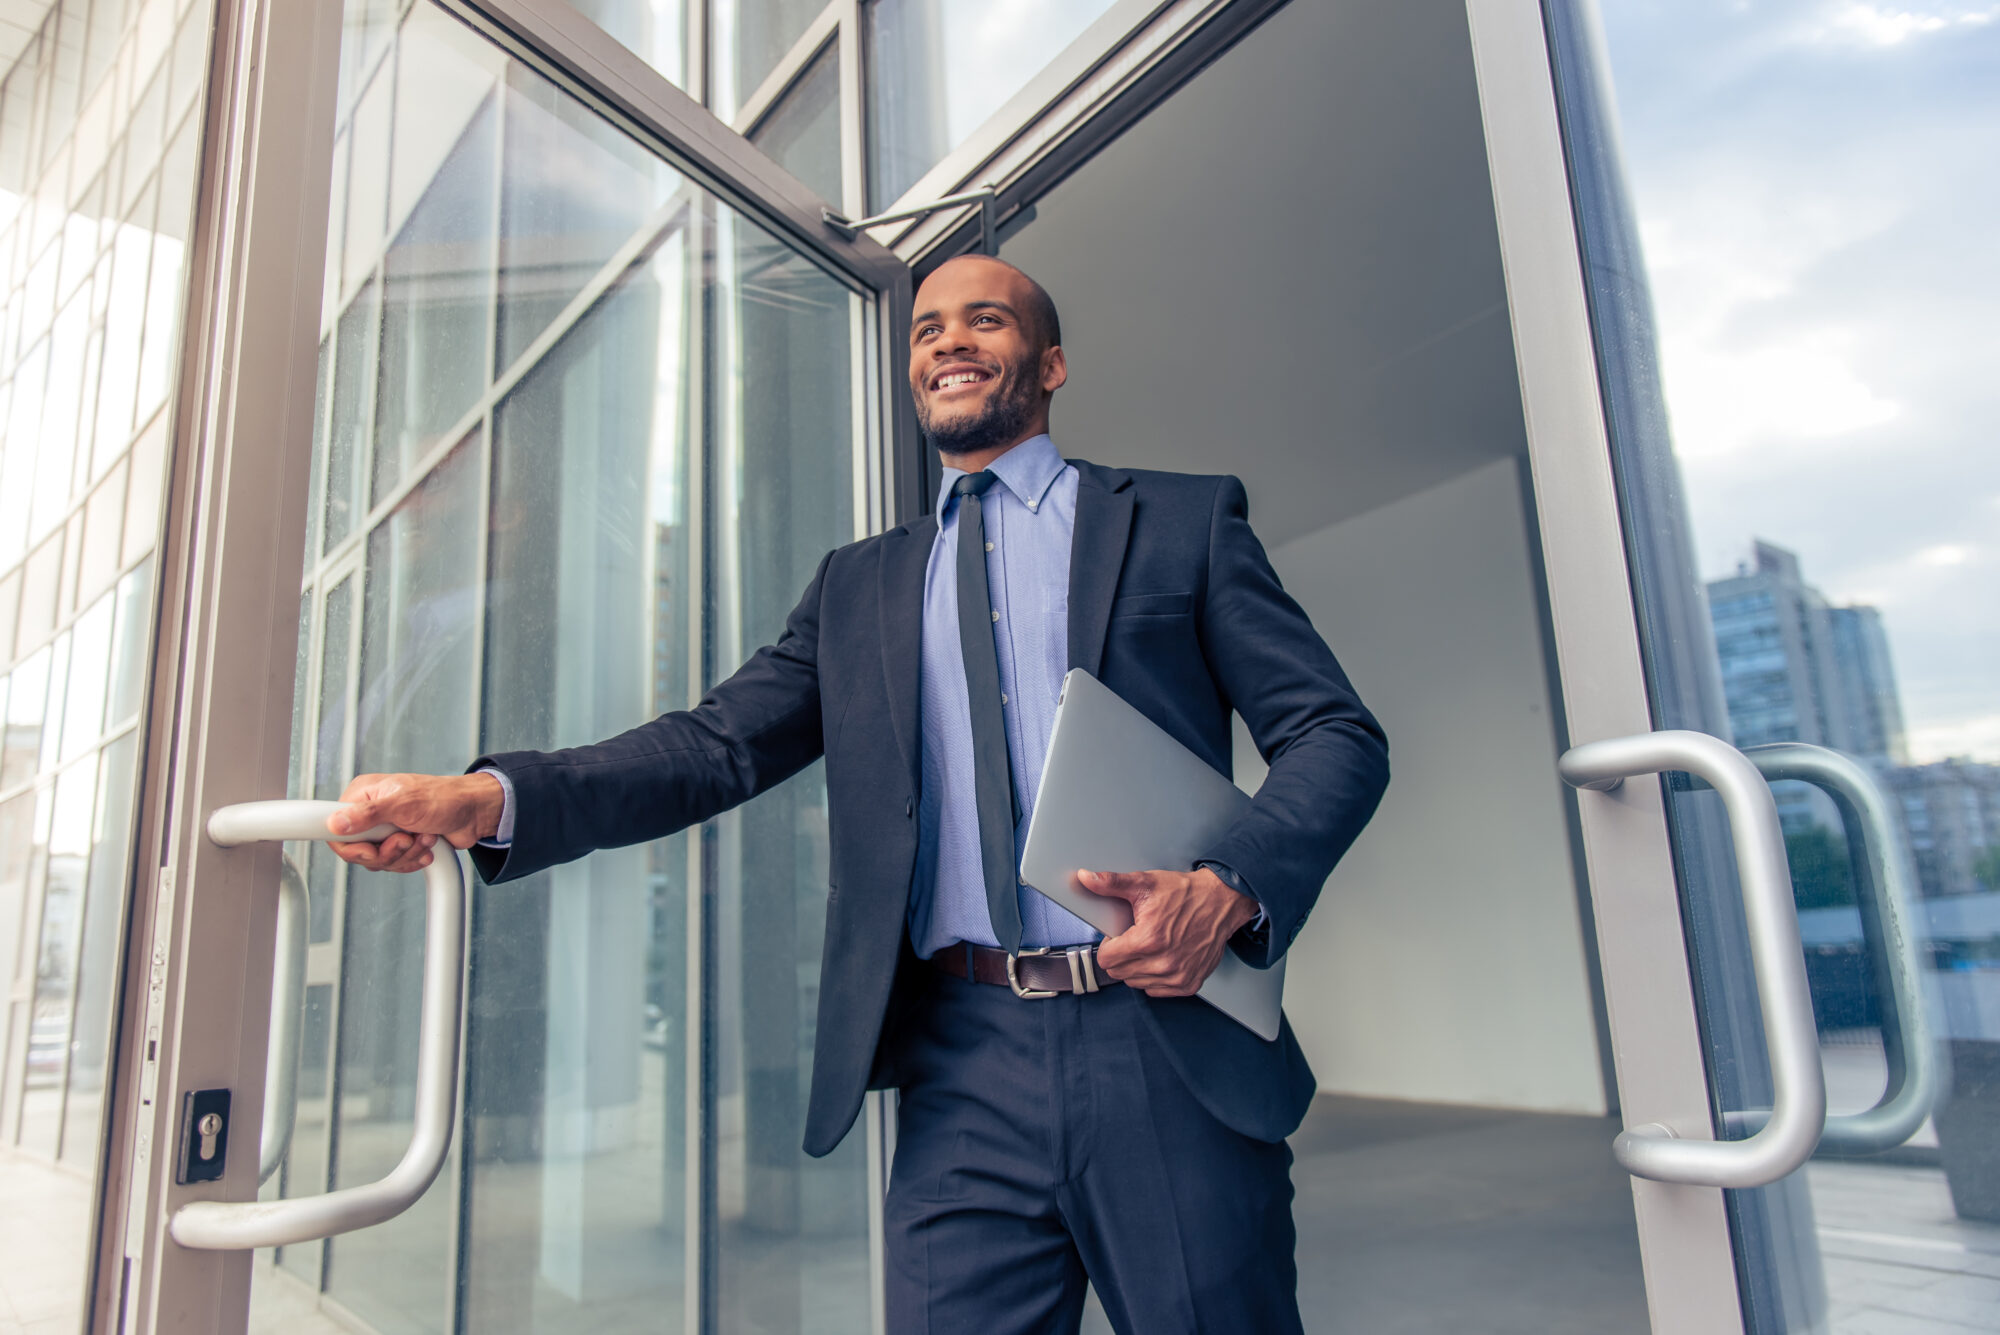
585	431
100	116
1809	495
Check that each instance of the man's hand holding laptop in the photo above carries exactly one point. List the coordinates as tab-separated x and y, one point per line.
1181	924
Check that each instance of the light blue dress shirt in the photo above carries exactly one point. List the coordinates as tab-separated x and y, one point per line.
1030	520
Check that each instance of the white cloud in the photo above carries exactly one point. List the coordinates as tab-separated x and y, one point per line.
1976	736
1805	384
1882	25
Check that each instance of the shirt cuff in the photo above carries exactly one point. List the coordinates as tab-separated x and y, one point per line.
503	836
1255	929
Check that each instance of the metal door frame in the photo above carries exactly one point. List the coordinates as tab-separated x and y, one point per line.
219	730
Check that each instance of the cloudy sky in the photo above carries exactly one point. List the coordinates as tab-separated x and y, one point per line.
1818	188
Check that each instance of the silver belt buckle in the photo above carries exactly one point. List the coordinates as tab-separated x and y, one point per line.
1082	972
1014	977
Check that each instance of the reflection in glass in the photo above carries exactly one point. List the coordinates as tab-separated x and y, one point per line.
419	610
97	962
580	972
938	69
751	37
354	352
25	701
90	661
19	858
437	285
653	30
129	645
793	1251
574	190
802	133
330	763
307	1160
57	941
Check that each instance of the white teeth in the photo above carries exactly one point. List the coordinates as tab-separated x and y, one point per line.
958	378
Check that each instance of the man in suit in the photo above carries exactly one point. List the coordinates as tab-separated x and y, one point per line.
1067	1108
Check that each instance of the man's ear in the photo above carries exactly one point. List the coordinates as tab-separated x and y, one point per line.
1055	370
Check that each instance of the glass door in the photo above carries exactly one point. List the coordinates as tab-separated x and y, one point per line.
589	393
1795	341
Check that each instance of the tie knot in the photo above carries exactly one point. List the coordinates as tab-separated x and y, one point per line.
974	484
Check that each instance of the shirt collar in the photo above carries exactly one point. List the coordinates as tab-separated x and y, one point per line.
1027	470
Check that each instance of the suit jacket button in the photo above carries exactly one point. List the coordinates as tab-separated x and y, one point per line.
909	806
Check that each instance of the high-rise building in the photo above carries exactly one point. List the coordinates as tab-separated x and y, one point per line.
1869	701
1797	669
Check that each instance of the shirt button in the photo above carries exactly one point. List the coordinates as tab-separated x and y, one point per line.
989	546
1034	505
1003	697
996	615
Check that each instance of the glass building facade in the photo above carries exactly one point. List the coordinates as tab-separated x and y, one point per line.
100	136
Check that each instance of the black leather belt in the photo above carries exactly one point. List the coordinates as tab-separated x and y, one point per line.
1032	974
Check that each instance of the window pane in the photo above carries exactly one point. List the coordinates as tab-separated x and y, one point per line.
437	285
938	69
57	941
574	191
96	985
419	609
751	37
802	133
794	1240
354	351
583	968
653	30
330	763
26	699
89	667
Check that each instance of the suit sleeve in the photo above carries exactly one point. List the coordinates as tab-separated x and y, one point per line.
749	733
1328	757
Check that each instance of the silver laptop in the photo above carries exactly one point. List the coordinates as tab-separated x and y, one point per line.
1119	794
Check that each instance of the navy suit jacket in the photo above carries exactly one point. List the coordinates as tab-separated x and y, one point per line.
1172	604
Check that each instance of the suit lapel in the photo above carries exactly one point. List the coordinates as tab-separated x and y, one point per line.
1097	554
905	556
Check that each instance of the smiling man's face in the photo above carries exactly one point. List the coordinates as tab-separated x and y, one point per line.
982	368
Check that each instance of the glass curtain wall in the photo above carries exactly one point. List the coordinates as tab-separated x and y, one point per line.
931	73
585	432
1782	220
100	127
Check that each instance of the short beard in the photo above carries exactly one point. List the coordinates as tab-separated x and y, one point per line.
1006	415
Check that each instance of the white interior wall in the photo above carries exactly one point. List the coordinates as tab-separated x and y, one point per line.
1445	961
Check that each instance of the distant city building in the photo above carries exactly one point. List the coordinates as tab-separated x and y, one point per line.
1951	818
1796	669
1870	704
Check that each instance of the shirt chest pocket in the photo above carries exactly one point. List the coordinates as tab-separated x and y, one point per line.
1152	605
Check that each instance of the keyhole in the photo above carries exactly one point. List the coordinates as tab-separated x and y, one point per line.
208	1128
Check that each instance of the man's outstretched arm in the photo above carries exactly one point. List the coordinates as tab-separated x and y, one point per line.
749	733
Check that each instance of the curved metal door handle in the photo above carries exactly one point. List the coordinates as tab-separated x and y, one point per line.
238	1226
288	1018
1798	1111
1887	905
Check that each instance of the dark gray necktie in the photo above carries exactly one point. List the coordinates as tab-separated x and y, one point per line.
992	774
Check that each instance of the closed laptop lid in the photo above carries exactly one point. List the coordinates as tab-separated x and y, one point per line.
1119	794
